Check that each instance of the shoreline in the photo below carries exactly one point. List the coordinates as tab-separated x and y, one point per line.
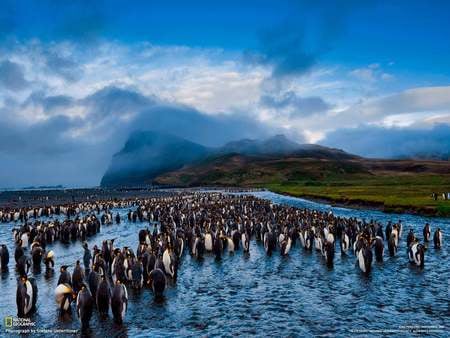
361	204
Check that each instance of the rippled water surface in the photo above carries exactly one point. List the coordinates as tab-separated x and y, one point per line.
296	295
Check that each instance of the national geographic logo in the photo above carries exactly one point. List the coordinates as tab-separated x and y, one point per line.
8	321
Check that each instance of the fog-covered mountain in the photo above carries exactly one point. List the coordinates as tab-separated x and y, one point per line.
147	154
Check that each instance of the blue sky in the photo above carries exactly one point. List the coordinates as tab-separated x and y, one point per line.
89	72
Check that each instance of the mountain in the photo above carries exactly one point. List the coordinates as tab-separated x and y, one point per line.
280	145
276	145
146	154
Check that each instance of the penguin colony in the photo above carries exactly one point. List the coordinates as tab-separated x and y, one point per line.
199	224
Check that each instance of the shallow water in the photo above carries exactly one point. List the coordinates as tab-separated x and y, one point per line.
296	295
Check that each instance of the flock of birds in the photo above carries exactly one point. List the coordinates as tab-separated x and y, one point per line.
199	223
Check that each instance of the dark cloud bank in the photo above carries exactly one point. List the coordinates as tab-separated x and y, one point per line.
52	152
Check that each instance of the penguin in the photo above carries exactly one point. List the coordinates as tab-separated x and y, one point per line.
24	240
64	277
345	243
230	245
286	246
329	253
416	254
365	259
158	282
410	238
236	237
217	247
170	263
269	242
64	296
49	260
199	248
426	233
85	305
103	296
77	277
36	254
318	243
437	238
93	282
4	258
87	256
309	237
23	265
119	302
379	248
245	242
19	252
392	246
208	242
26	296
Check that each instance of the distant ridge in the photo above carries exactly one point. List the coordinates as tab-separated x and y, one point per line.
149	154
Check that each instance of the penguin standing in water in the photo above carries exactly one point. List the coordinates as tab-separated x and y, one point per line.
416	254
217	247
26	296
392	246
410	238
379	248
36	254
285	246
103	297
170	262
87	256
245	239
85	305
77	277
64	277
49	260
345	242
64	296
426	233
19	252
329	253
93	282
269	242
23	265
119	302
365	259
437	238
4	258
157	282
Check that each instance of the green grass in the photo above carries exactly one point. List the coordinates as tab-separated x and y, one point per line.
396	193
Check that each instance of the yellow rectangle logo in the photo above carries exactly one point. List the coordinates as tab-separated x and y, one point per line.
8	321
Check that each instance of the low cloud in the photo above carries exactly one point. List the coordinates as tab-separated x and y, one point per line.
379	142
55	149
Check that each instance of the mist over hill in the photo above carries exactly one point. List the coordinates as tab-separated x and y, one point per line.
148	154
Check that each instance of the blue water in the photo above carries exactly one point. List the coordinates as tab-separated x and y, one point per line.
258	295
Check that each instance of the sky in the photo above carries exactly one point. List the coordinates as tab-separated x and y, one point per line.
77	77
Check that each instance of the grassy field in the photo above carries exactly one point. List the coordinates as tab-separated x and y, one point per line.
390	193
389	185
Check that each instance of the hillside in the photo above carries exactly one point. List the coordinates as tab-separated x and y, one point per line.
145	155
388	185
149	154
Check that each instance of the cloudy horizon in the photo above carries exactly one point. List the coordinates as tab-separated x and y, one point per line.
74	87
